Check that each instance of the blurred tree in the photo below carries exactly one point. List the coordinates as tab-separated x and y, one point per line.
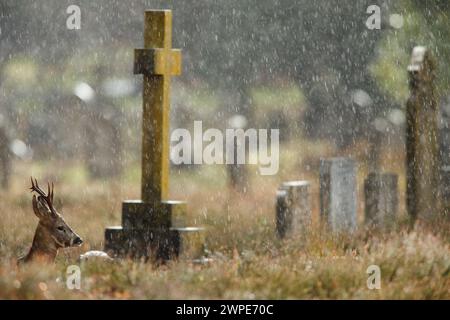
233	45
323	46
426	23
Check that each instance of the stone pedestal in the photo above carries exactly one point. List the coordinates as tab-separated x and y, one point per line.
338	204
155	233
293	211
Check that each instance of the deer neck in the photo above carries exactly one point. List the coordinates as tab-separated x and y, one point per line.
43	247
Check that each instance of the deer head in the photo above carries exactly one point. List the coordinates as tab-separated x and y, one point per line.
52	232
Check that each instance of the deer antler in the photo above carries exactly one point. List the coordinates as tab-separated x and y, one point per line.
48	197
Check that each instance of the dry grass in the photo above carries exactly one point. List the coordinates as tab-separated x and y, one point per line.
248	260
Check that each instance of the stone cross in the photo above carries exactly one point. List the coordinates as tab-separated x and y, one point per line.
422	150
381	199
157	62
293	209
338	204
154	226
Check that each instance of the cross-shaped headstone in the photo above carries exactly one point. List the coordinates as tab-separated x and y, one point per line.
157	62
153	226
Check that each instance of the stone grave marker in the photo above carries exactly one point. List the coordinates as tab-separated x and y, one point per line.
381	198
154	227
293	210
422	149
338	204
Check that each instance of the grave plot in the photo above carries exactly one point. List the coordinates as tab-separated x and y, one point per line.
279	154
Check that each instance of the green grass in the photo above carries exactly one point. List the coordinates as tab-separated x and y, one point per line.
269	97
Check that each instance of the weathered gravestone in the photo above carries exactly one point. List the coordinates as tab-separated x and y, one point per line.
422	150
381	198
293	210
154	226
338	194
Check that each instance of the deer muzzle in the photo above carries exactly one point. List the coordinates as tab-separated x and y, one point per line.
77	241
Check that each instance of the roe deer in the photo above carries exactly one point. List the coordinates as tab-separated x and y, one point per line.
52	232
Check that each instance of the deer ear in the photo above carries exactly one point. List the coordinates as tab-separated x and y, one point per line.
41	210
35	208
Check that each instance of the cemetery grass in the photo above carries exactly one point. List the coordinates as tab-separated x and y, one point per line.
248	261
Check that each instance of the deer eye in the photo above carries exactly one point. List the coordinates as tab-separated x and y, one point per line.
60	228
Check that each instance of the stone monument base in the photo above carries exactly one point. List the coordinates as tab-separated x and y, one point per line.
155	233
